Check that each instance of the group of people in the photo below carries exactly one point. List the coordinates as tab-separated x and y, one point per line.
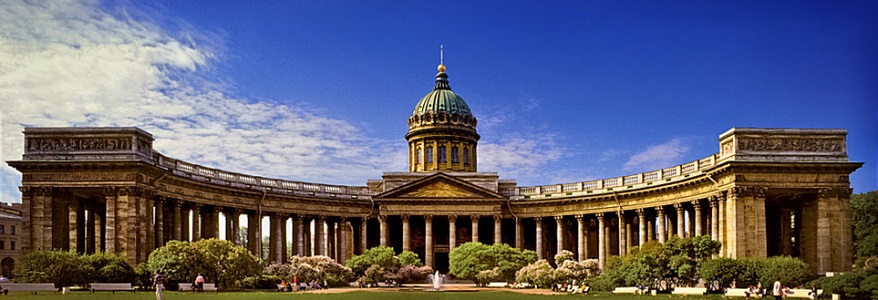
158	283
296	286
573	287
777	290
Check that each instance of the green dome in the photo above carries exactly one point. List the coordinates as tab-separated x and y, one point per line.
442	100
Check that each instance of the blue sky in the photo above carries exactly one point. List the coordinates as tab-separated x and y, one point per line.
321	90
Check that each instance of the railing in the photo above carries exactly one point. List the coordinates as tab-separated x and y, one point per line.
609	183
253	181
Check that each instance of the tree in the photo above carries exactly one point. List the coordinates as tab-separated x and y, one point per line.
722	270
63	268
406	267
382	256
219	260
469	259
110	267
864	218
539	273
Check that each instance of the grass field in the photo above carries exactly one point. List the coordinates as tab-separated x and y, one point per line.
358	295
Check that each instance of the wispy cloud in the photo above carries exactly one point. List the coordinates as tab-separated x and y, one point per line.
657	156
69	63
516	156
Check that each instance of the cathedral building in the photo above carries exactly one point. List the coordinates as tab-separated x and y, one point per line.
765	192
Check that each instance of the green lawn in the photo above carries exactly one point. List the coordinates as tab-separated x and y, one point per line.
363	295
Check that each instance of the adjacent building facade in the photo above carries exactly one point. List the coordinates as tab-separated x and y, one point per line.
765	192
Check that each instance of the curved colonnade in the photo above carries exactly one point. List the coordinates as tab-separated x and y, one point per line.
106	189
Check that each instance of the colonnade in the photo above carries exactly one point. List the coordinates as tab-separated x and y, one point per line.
133	222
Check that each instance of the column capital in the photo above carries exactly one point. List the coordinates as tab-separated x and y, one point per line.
713	201
600	216
342	219
382	218
474	217
678	206
579	218
428	217
498	217
178	204
640	212
559	218
197	205
538	219
364	219
452	218
405	217
696	204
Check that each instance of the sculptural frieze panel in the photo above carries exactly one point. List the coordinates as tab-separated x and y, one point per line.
80	176
791	145
80	144
440	190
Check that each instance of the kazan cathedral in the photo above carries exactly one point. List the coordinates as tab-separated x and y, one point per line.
765	192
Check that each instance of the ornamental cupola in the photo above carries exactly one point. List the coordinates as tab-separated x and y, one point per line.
442	133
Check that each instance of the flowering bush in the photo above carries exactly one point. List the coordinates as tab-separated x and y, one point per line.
540	274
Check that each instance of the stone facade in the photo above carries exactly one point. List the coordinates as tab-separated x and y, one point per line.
766	192
757	200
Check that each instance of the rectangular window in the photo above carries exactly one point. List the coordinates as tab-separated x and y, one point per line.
2	245
442	154
466	156
429	154
12	229
454	158
418	156
2	229
11	245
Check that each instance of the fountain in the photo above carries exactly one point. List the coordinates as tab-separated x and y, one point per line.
437	281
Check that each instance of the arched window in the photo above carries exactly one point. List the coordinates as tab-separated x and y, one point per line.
418	155
429	154
466	156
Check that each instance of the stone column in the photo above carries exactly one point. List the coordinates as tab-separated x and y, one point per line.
307	234
364	235
662	231
72	218
580	238
559	234
539	228
406	234
254	237
650	229
629	242
159	222
196	222
721	224
42	216
214	222
602	248
300	236
343	226
319	242
519	243
681	225
452	232
714	218
475	227
641	232
698	218
428	241
236	227
623	241
383	230
179	225
498	224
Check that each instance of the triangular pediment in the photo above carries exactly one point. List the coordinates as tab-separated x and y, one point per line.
439	185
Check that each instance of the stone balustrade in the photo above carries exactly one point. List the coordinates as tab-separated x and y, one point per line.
633	181
216	176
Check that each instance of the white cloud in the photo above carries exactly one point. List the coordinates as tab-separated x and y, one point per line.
657	156
69	63
519	157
